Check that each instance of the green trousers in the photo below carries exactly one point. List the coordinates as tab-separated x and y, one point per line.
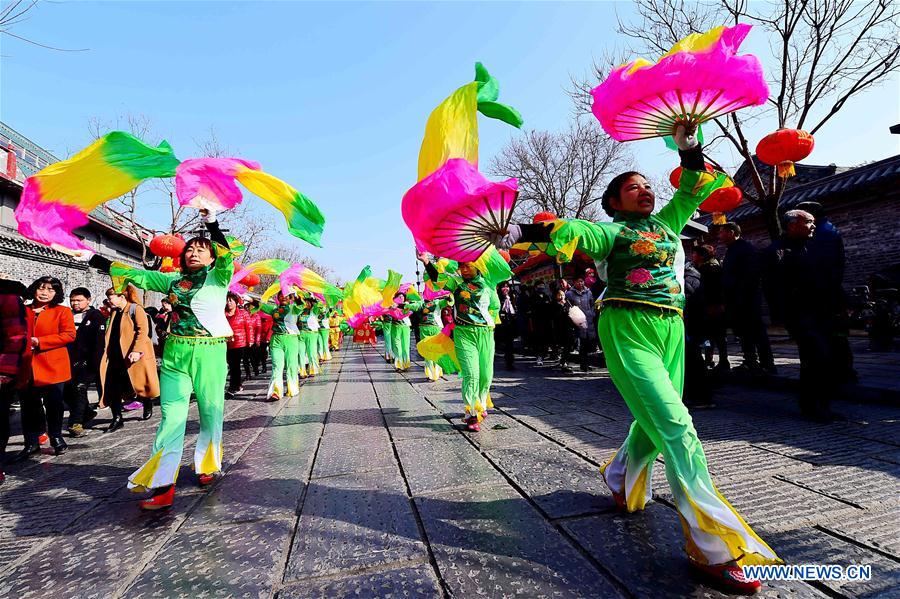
432	369
644	350
283	349
324	352
400	343
190	364
310	342
475	351
386	331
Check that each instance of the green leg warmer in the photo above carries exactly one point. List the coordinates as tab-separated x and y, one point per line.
644	352
189	364
475	351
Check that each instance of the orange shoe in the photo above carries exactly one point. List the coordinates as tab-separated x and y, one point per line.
206	479
274	397
621	502
728	577
44	438
161	501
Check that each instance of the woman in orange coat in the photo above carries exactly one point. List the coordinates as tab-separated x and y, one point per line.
128	368
53	328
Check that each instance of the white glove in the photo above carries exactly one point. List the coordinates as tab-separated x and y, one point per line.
207	215
504	242
685	138
80	255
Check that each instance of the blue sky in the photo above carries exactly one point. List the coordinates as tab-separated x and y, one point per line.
333	97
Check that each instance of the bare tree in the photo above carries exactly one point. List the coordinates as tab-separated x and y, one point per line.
562	172
824	52
15	13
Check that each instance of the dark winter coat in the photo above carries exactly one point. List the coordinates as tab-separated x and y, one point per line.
86	352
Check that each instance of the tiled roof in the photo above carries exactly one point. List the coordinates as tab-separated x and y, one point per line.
818	183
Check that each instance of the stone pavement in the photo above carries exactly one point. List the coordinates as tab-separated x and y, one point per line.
366	486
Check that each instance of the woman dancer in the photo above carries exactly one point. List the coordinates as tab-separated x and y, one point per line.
476	306
193	359
387	325
642	333
430	325
400	331
283	346
309	337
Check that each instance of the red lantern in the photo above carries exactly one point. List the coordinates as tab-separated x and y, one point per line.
783	148
723	199
251	280
675	176
543	217
167	246
505	255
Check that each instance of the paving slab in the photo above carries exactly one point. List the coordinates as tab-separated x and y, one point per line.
870	484
644	552
447	461
229	561
412	581
356	452
561	483
354	521
488	541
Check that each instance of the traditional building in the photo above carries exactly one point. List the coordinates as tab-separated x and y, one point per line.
863	202
107	232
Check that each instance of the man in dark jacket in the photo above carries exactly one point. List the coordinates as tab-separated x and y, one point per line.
14	337
827	250
704	259
697	388
743	299
802	291
85	354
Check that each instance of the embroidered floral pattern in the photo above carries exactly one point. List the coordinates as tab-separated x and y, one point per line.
639	277
643	248
650	235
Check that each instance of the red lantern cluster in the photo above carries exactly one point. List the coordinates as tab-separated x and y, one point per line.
543	217
783	148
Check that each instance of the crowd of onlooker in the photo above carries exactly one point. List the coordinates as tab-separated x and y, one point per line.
52	356
798	278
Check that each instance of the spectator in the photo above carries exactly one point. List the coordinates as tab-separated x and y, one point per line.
697	389
582	297
827	250
743	299
239	322
506	330
128	368
162	321
14	337
53	328
704	259
265	336
523	311
252	353
541	322
803	291
85	354
563	328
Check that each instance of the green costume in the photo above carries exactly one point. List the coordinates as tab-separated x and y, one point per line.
283	348
386	326
475	305
324	332
642	333
400	331
430	324
193	360
309	342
